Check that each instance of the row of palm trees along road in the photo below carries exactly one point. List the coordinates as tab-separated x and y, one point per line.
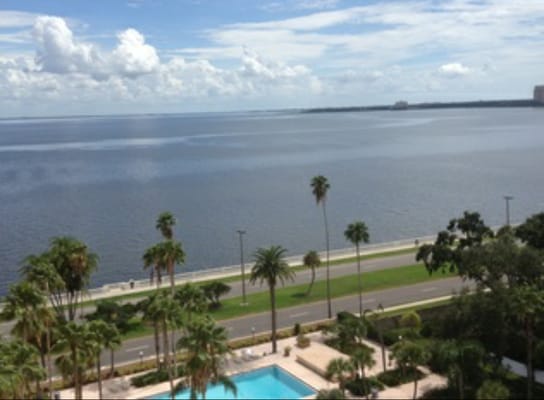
44	305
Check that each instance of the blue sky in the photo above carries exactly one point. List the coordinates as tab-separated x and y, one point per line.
132	56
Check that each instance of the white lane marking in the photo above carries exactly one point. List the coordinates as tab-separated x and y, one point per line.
369	300
299	314
430	289
137	348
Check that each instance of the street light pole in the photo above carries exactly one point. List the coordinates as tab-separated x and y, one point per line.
241	233
507	199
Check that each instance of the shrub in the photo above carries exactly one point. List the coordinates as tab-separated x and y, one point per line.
150	378
395	377
392	336
363	386
333	394
297	330
303	341
411	320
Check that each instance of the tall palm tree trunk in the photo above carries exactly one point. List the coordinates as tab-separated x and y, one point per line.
173	339
311	282
359	280
99	376
167	357
49	369
157	344
530	369
112	362
329	306
273	309
415	387
75	373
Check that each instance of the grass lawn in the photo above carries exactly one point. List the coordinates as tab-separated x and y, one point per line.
295	295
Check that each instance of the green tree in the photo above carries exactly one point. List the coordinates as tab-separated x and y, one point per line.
166	310
350	331
19	366
357	232
340	369
213	291
192	299
152	259
320	187
312	261
462	360
74	263
492	390
27	305
362	358
528	305
532	231
152	319
409	355
110	311
171	253
96	344
75	339
271	267
165	224
207	346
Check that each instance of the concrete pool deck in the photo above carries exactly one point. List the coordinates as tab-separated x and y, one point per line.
119	388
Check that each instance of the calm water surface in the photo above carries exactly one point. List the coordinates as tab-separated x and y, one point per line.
105	180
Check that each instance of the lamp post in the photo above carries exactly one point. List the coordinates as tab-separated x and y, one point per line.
241	233
253	334
507	199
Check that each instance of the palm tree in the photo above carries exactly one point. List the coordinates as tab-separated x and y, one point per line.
207	346
165	224
463	359
171	253
356	233
152	319
112	340
152	258
337	369
192	299
409	355
320	186
96	345
527	302
27	304
311	260
74	264
39	271
19	366
75	338
270	266
362	358
165	309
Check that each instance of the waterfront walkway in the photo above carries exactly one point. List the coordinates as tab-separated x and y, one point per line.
143	285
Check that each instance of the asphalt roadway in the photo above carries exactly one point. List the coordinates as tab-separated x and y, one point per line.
302	277
132	350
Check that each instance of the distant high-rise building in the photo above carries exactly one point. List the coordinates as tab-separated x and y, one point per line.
538	94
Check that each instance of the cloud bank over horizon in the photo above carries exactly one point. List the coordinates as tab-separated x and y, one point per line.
308	54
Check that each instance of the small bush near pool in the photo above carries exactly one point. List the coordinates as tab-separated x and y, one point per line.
395	377
363	386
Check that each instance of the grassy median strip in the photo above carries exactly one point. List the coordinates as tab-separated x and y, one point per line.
235	278
295	295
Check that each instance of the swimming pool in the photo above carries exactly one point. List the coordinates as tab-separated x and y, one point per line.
271	382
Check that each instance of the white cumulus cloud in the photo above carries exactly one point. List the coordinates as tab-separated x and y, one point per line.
133	56
58	50
454	70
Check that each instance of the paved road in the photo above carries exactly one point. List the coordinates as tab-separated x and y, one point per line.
242	327
302	277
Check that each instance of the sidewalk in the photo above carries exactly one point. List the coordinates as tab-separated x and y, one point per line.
123	288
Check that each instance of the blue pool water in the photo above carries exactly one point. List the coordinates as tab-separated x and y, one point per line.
264	383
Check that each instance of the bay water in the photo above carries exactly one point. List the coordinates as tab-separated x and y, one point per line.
104	180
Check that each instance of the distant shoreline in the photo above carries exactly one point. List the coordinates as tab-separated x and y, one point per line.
429	106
